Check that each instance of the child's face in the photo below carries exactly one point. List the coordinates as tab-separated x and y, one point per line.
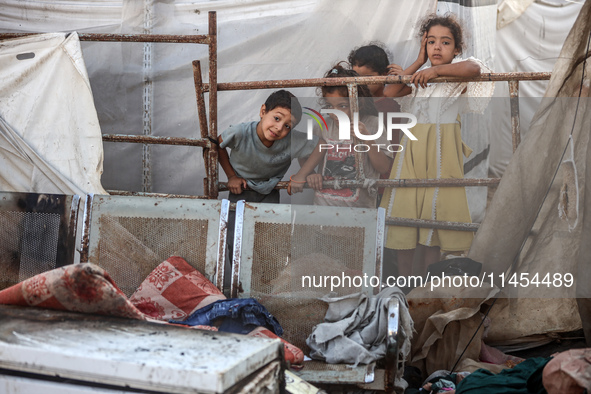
441	48
274	125
334	100
365	71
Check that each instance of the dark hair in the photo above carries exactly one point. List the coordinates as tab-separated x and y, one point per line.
366	107
448	20
373	56
284	99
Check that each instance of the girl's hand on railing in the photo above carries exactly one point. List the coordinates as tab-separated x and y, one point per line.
296	184
420	78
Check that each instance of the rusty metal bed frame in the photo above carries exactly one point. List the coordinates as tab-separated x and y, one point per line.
208	127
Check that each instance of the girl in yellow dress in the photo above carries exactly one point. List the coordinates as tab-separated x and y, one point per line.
438	151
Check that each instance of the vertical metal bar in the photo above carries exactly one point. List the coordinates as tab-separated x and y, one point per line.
354	107
201	113
237	253
84	245
514	100
212	154
392	345
72	229
222	241
67	208
381	228
147	98
197	76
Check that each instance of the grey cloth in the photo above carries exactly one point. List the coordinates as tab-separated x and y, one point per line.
356	327
263	167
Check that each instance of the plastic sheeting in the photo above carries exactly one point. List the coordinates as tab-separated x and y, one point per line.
22	169
148	88
257	40
509	10
49	132
531	43
478	21
267	40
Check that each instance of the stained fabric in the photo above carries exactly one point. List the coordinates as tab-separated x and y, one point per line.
50	138
568	372
446	318
293	354
83	288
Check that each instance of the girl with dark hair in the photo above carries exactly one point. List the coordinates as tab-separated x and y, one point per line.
369	61
372	61
339	161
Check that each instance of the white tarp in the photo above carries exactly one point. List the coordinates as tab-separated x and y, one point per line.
531	43
49	131
509	10
257	40
265	40
22	169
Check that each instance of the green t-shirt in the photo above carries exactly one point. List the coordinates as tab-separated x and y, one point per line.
524	378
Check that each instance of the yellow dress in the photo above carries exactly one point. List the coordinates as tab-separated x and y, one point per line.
436	154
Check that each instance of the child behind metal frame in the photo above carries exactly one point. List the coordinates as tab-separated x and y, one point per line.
261	154
371	61
339	162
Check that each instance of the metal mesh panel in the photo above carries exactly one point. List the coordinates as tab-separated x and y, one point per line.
271	253
28	245
282	253
131	247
